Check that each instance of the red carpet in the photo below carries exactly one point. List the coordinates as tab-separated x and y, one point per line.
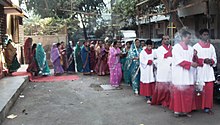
47	78
21	74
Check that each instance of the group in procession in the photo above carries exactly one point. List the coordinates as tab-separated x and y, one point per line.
171	76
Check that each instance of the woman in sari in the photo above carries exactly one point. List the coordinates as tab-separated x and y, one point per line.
102	57
11	57
42	61
27	50
78	58
70	56
33	67
125	61
85	58
98	47
55	59
115	65
133	66
63	55
92	58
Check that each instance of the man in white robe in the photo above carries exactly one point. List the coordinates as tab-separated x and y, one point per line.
182	92
205	73
147	80
163	76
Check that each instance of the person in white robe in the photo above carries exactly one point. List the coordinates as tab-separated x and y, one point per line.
182	92
205	73
163	76
147	80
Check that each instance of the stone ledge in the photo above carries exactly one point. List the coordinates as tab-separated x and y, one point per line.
10	89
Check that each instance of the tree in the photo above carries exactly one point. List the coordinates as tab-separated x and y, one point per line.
82	10
92	8
125	10
37	25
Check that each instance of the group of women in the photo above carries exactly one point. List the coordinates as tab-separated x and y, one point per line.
114	58
35	57
93	57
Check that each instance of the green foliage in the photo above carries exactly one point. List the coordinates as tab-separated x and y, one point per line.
66	12
35	25
125	10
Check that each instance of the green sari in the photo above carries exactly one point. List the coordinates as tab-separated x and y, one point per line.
125	61
133	67
77	54
41	60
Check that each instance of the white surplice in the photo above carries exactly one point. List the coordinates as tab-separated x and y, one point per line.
146	71
181	76
206	72
163	66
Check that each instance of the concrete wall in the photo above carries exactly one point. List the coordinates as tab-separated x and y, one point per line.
157	29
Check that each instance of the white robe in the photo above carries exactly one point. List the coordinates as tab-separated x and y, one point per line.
206	72
163	66
147	75
181	76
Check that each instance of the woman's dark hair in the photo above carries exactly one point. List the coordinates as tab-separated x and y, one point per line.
130	42
58	44
34	46
136	39
115	42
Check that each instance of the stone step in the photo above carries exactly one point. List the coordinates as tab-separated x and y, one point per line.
10	89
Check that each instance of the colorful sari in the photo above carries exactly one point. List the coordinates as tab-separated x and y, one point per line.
70	57
33	67
101	67
41	60
64	58
27	51
115	67
11	58
133	67
78	58
125	61
55	59
85	59
92	58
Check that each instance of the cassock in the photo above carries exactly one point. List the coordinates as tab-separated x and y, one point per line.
205	72
182	90
147	80
161	94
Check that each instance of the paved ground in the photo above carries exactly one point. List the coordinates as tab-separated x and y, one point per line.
83	102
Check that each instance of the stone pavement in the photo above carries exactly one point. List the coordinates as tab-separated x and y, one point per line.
84	102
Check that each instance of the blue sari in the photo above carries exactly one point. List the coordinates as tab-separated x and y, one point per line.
85	59
133	67
41	60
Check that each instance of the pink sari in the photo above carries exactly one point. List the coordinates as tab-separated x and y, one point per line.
115	67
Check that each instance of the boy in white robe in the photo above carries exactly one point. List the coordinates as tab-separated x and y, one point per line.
205	73
147	80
